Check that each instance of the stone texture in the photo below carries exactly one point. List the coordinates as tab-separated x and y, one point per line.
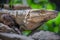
45	35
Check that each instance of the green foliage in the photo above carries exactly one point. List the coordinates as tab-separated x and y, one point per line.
12	2
56	29
26	32
50	6
41	4
57	20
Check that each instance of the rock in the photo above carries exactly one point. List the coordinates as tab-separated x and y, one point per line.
7	19
6	6
6	36
1	13
20	7
16	7
45	35
42	35
4	28
7	29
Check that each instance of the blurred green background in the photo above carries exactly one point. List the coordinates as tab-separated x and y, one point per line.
35	4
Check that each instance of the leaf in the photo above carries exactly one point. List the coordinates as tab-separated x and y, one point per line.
26	32
57	20
56	29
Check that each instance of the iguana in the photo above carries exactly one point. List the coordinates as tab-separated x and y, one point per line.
32	18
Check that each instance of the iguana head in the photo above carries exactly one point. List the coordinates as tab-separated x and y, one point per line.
36	18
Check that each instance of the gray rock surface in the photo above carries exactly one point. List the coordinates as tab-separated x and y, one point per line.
45	35
7	36
42	35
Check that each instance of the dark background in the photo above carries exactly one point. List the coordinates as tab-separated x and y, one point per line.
57	3
3	1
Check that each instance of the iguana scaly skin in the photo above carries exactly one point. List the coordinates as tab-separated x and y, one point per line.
31	19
